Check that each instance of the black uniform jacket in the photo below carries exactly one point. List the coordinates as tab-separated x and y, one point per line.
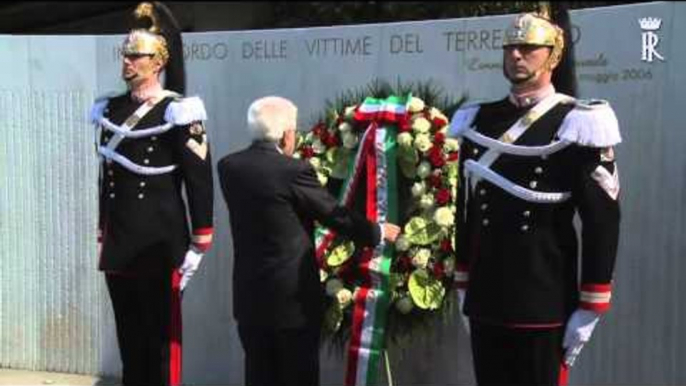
521	257
145	215
273	201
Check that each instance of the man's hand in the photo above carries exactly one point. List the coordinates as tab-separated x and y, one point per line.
390	232
461	293
578	333
189	266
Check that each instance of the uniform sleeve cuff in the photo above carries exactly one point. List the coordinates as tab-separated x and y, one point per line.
202	238
461	276
595	297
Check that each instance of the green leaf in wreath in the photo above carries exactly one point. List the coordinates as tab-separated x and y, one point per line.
331	115
341	160
323	179
395	280
408	154
452	172
333	317
426	292
340	254
331	155
408	168
407	160
421	231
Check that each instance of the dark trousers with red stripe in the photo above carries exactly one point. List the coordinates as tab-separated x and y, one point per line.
516	356
148	318
280	357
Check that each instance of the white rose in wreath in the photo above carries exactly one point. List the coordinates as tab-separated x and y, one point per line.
344	127
418	188
349	140
424	169
422	142
318	146
405	140
344	297
421	258
416	105
451	145
421	125
444	217
427	201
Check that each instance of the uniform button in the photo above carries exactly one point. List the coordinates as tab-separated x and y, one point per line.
544	157
150	149
110	172
141	196
525	228
475	151
111	195
484	206
538	170
111	184
533	184
142	184
153	138
482	192
527	213
485	222
146	161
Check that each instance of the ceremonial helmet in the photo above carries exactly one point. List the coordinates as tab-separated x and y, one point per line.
156	32
550	27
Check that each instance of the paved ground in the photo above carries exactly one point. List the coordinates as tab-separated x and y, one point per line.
23	377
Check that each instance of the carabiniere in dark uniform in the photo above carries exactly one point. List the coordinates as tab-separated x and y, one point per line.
141	203
516	243
153	148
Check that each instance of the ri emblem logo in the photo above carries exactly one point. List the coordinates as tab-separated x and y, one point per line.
650	39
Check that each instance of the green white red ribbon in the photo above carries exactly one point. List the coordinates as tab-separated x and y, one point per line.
392	109
376	154
372	299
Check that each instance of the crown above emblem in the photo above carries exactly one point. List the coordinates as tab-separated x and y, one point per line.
650	23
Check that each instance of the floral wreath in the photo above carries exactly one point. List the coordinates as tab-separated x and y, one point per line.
422	271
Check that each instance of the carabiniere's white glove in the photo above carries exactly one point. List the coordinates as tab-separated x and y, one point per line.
578	333
190	264
461	293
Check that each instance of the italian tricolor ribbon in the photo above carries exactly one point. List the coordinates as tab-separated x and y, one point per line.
370	305
376	156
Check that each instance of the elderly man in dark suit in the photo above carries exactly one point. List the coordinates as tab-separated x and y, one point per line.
273	201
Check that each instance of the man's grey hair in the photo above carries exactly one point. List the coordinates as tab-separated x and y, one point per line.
269	117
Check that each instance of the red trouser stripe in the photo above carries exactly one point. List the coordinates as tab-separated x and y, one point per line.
564	375
175	328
